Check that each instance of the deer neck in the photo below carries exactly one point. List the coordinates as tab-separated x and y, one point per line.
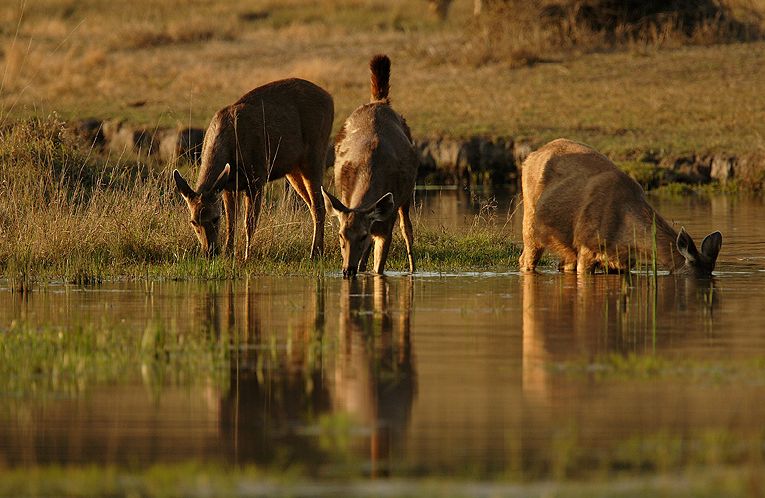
666	243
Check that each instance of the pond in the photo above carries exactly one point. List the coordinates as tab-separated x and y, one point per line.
479	375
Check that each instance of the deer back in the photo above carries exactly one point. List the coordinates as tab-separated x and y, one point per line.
374	155
579	197
268	131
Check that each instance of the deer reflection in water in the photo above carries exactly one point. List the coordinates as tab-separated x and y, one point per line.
569	317
573	324
374	378
290	371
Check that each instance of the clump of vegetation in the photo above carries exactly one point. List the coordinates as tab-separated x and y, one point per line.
65	207
524	32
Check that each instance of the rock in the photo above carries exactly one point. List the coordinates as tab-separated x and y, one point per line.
476	159
749	170
89	131
442	160
184	143
121	137
520	152
722	168
688	169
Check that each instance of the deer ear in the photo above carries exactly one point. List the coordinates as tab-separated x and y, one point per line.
222	179
686	246
710	246
332	204
183	187
383	208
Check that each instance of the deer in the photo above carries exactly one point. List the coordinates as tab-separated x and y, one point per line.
375	173
281	129
580	205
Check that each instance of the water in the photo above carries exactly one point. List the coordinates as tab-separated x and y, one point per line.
478	374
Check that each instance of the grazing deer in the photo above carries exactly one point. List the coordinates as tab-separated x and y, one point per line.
375	171
577	203
276	130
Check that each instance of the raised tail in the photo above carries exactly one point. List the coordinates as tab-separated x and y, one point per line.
380	78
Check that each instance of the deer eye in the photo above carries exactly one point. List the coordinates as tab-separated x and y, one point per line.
194	223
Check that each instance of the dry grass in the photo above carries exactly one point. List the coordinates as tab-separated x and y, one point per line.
185	59
68	212
528	31
68	209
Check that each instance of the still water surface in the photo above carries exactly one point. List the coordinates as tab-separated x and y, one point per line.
479	374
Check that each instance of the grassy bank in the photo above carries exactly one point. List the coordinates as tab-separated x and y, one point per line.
177	62
69	213
213	480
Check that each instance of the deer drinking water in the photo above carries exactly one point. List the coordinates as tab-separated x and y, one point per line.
577	203
276	130
375	172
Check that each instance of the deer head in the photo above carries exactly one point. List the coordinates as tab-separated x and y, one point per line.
355	227
204	208
699	263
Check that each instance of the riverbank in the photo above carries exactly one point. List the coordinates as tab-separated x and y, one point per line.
651	103
75	214
70	213
444	160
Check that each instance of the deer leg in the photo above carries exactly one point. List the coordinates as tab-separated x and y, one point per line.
252	202
585	261
229	205
316	205
530	255
406	230
532	249
567	264
382	246
297	184
310	192
365	258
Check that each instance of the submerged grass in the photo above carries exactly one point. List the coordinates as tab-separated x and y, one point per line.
640	366
195	479
69	213
38	362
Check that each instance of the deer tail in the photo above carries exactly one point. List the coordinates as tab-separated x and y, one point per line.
380	78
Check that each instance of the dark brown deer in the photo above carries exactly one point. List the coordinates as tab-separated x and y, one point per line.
375	172
276	130
579	204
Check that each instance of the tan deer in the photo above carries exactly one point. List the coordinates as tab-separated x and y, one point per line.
375	172
577	203
276	130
